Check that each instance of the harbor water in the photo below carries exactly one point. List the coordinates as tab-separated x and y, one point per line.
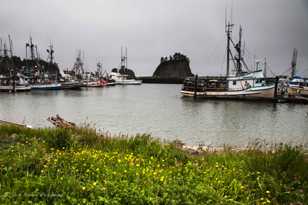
159	110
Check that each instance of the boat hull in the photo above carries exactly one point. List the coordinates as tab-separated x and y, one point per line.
304	92
266	92
111	84
128	82
95	84
297	91
56	86
71	86
18	88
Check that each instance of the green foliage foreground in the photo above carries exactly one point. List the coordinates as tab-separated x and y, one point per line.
56	166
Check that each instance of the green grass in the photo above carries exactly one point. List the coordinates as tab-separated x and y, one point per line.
80	166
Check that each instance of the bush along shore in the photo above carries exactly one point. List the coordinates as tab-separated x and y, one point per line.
81	166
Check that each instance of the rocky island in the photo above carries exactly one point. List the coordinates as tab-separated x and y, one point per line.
176	66
172	69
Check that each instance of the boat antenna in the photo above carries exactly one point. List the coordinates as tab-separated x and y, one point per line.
228	30
226	19
231	17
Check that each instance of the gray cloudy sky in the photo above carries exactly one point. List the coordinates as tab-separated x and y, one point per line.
154	28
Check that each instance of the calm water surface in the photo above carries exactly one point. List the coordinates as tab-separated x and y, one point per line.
161	111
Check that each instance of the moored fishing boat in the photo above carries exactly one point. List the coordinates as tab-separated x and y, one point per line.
249	86
8	85
238	85
122	79
297	86
123	75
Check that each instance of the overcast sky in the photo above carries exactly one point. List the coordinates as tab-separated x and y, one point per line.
154	28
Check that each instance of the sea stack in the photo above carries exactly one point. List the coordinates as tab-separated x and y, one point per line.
173	67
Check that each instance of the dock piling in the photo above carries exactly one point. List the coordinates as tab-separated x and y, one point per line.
276	87
195	86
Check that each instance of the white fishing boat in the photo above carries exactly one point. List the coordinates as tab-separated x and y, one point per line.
240	84
123	75
122	79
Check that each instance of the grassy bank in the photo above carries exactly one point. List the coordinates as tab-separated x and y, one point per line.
56	166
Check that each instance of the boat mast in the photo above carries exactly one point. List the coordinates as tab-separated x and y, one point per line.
78	66
265	68
1	47
122	59
293	63
239	51
50	52
31	46
5	50
11	46
228	30
126	57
